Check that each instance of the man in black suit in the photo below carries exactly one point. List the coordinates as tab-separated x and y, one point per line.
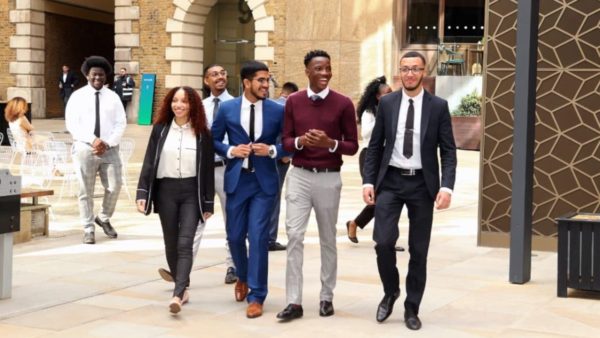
67	81
402	168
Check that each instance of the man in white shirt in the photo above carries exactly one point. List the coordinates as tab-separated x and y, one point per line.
96	119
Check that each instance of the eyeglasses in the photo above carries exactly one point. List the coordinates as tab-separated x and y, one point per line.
215	73
414	70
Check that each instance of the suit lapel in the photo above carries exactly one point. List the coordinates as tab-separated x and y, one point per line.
425	113
395	115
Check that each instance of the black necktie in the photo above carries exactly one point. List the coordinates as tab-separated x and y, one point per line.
316	98
409	130
97	126
215	108
250	166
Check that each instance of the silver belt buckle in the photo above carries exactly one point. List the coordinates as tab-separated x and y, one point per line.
408	172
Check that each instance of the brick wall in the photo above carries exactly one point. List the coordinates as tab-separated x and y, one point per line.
6	54
153	42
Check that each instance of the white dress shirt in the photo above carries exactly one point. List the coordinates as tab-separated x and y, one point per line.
178	155
323	94
258	124
209	106
80	116
398	160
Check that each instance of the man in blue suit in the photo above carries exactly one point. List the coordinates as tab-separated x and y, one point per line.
252	125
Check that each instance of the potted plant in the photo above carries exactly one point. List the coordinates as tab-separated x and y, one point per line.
466	122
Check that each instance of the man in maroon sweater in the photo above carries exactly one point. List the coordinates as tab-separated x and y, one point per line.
319	127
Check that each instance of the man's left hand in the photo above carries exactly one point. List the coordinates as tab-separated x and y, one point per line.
206	215
318	138
442	200
260	149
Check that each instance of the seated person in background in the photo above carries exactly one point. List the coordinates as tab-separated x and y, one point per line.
20	127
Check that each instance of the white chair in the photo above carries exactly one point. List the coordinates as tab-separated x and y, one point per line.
126	148
6	156
60	168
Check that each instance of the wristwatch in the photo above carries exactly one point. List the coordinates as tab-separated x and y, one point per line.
271	152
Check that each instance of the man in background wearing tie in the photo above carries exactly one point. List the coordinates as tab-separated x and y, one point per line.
402	168
320	127
96	120
252	125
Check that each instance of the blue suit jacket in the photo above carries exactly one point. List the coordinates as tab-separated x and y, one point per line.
228	122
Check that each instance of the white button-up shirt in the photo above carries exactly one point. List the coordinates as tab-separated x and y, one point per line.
209	106
178	155
80	116
398	160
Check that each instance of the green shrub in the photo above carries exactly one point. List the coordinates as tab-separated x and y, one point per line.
470	105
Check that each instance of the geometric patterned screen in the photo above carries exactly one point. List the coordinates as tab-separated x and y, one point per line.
567	131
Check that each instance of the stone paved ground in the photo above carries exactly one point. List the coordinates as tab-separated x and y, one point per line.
62	288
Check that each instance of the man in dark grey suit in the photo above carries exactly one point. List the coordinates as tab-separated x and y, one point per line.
402	168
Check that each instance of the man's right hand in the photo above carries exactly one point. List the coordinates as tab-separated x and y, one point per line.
242	150
369	195
98	147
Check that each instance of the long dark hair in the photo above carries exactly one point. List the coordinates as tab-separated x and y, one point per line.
197	116
369	100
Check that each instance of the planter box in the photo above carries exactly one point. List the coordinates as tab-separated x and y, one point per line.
467	132
578	252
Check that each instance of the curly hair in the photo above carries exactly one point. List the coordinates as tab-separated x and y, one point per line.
368	100
15	108
197	117
313	54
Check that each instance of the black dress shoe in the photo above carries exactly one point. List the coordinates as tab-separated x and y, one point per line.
89	238
384	310
352	239
292	311
276	246
230	276
108	229
411	320
325	308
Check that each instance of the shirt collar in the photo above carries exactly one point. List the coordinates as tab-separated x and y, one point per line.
224	95
246	103
323	93
175	126
418	97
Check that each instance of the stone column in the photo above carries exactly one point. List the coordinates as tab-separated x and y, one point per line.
28	69
125	40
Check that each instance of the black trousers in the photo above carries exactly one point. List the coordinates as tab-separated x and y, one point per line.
395	192
179	214
368	212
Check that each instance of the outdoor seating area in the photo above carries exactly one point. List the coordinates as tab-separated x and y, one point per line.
47	173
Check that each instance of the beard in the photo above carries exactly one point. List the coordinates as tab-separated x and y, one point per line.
413	87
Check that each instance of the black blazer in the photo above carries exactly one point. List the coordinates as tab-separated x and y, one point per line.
70	84
205	169
436	131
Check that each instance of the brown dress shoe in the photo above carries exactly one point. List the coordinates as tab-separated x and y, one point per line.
254	310
241	290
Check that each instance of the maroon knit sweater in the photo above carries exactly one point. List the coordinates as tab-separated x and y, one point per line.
334	115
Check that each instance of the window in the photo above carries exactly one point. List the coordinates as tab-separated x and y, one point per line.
462	21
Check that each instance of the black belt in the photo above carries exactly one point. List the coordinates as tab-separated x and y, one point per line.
319	170
248	171
407	172
220	163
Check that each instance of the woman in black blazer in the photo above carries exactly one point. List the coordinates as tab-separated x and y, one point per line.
177	178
